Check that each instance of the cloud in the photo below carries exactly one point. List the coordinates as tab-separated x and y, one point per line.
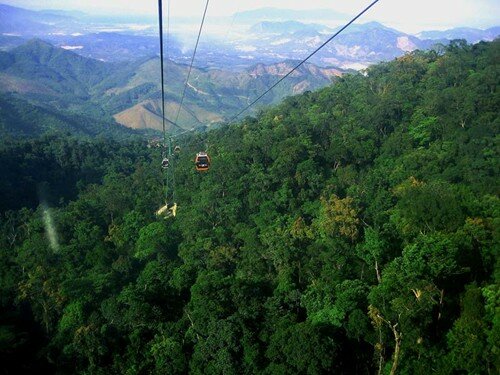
410	16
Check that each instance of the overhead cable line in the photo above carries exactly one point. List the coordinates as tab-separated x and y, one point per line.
167	164
160	20
303	61
292	70
168	31
184	132
192	61
232	21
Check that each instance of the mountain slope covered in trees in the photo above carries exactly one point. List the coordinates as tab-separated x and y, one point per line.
59	79
20	118
350	230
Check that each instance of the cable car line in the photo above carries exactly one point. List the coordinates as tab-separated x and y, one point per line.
192	61
294	69
202	160
184	132
160	13
303	61
235	14
173	123
167	165
168	32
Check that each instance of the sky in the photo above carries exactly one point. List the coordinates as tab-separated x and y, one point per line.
405	15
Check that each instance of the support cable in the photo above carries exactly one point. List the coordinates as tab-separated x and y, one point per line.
302	62
290	72
167	148
192	61
160	20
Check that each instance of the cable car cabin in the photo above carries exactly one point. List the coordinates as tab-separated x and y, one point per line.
165	163
167	210
202	161
154	143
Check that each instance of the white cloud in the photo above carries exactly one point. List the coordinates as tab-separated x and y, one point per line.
410	16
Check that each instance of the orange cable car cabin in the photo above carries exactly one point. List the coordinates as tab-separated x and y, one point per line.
202	161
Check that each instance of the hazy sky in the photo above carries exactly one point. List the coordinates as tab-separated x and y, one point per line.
406	15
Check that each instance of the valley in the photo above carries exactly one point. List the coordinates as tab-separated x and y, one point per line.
108	67
130	92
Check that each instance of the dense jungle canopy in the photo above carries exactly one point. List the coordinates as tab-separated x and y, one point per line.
352	230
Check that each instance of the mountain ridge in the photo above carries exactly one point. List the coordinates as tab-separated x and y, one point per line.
131	92
472	35
20	20
272	35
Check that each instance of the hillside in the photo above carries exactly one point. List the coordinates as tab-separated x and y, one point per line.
20	118
130	92
146	115
53	73
213	94
352	230
114	47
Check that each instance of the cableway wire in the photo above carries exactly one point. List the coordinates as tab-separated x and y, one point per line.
192	61
160	20
292	70
169	182
302	62
168	32
235	14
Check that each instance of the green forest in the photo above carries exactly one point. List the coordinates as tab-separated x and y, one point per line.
351	230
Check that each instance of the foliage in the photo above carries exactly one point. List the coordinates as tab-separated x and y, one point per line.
350	230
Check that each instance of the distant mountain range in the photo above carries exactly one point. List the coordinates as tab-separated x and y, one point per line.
23	22
266	35
55	78
113	47
357	47
467	33
75	66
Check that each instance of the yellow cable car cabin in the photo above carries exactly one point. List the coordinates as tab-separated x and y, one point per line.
167	210
202	161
